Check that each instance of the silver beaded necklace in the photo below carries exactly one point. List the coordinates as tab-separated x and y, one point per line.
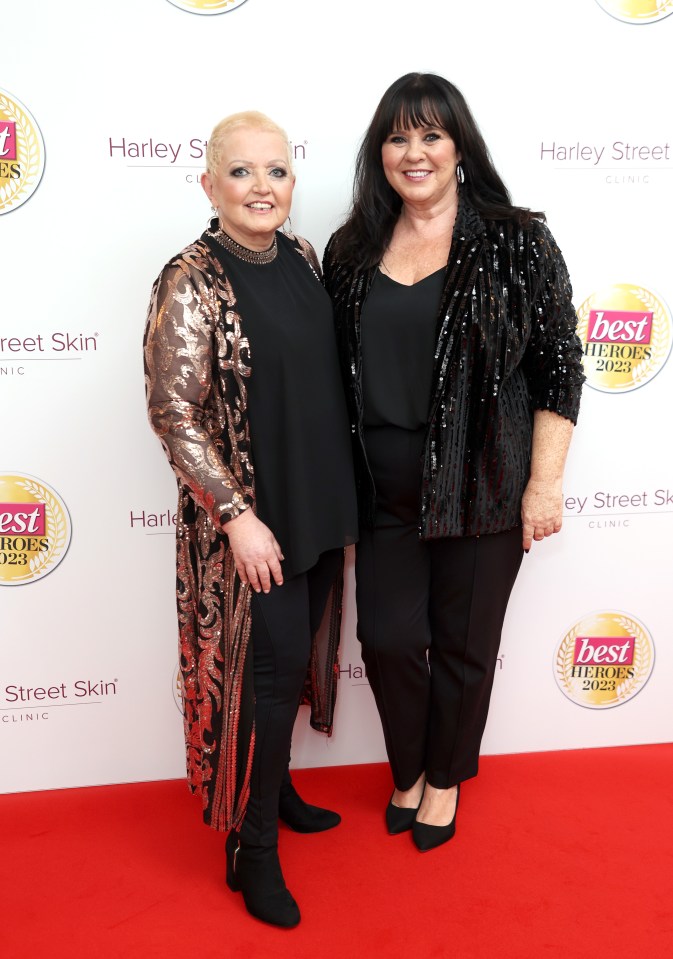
260	257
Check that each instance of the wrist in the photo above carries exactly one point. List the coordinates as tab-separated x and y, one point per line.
242	518
539	480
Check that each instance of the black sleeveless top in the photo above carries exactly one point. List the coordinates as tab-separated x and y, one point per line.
398	349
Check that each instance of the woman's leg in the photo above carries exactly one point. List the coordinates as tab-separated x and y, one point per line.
320	580
392	576
281	644
392	573
471	581
298	815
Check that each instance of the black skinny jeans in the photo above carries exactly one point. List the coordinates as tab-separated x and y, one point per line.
283	622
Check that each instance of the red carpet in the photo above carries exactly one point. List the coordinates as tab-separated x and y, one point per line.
556	855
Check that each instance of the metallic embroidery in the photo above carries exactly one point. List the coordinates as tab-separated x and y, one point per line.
197	362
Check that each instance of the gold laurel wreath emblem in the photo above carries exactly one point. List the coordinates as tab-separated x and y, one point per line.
28	154
565	656
176	686
583	313
642	662
57	530
205	6
660	344
637	11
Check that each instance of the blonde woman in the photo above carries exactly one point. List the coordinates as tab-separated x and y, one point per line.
244	391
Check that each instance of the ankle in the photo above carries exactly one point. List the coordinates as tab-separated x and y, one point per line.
255	871
438	805
409	798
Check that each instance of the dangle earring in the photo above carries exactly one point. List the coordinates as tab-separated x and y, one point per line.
214	212
287	226
460	173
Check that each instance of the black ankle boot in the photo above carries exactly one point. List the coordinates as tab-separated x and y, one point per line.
302	817
255	871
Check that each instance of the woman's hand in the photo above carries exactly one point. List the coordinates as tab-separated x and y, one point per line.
542	504
541	511
256	553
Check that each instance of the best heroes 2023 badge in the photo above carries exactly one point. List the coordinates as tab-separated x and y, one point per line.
604	659
21	153
637	11
626	336
34	529
206	7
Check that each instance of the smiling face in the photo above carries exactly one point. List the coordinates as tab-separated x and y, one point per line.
251	189
420	165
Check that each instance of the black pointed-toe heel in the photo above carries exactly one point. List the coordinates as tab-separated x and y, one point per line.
399	819
429	837
255	871
302	817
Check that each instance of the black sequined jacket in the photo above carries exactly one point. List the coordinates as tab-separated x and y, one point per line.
506	346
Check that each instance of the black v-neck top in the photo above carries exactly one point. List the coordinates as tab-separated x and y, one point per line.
399	329
299	428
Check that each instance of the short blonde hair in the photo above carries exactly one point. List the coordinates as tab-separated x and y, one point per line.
248	118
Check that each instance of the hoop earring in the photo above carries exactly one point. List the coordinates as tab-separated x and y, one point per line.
213	214
287	226
460	173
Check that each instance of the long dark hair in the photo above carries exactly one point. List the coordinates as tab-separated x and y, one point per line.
416	100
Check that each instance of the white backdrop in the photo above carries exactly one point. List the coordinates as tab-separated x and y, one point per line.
97	635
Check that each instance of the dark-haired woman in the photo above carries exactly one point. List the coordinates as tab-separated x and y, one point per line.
458	347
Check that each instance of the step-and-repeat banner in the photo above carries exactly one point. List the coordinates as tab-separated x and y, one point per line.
105	111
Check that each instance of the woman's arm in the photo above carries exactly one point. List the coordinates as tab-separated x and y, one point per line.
179	343
179	361
542	505
553	365
553	358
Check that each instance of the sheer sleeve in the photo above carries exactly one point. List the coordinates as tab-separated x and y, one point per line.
185	404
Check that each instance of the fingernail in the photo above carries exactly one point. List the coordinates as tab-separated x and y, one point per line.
526	551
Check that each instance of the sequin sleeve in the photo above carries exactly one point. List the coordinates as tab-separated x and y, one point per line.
553	357
309	254
182	348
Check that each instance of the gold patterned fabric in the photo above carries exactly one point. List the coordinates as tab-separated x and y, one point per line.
197	361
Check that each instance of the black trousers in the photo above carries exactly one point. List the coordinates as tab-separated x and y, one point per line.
430	615
283	622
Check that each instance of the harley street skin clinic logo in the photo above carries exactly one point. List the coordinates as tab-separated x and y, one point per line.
206	7
34	529
637	11
626	337
604	660
21	153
